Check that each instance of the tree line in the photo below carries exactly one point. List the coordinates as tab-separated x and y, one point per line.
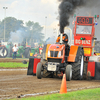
30	30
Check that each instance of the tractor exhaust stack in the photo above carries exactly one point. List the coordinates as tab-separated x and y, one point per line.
61	38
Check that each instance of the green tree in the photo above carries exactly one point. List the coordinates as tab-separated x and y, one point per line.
35	31
32	31
11	25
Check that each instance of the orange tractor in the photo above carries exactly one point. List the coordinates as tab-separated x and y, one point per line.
54	61
75	62
57	60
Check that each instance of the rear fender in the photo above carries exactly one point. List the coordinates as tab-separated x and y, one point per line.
91	69
32	66
74	53
45	51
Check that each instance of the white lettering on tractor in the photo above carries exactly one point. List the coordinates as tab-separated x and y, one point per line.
85	41
77	41
82	41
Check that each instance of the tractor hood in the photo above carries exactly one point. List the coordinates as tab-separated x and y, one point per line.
56	47
56	51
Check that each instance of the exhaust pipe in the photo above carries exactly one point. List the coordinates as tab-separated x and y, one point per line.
61	38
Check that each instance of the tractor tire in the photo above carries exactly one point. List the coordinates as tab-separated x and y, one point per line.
45	72
68	72
77	67
3	55
85	71
27	52
39	70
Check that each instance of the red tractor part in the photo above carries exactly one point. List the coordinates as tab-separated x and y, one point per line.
33	61
84	35
84	31
93	67
93	70
32	66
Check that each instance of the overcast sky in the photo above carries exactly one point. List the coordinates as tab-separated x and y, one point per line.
33	10
37	10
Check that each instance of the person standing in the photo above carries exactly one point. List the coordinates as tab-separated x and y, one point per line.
14	49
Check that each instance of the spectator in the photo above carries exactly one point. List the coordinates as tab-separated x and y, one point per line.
14	49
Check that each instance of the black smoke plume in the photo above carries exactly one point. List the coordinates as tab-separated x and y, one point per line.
68	7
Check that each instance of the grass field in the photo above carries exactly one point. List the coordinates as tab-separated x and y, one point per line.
90	94
12	65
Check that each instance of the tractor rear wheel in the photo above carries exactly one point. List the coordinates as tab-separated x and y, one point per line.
85	71
68	72
39	70
3	52
77	67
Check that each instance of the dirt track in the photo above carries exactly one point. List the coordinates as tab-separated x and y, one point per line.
17	83
12	60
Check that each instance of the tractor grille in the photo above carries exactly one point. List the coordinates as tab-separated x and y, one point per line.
54	60
54	53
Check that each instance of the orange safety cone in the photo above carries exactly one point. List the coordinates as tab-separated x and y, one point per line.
63	88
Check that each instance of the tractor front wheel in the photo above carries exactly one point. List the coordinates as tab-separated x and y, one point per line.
39	70
68	72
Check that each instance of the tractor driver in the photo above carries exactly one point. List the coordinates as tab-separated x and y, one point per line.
65	40
64	37
85	30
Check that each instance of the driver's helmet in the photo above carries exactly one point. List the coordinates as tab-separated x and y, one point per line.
65	38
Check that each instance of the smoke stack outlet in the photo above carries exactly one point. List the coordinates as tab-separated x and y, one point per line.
61	35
